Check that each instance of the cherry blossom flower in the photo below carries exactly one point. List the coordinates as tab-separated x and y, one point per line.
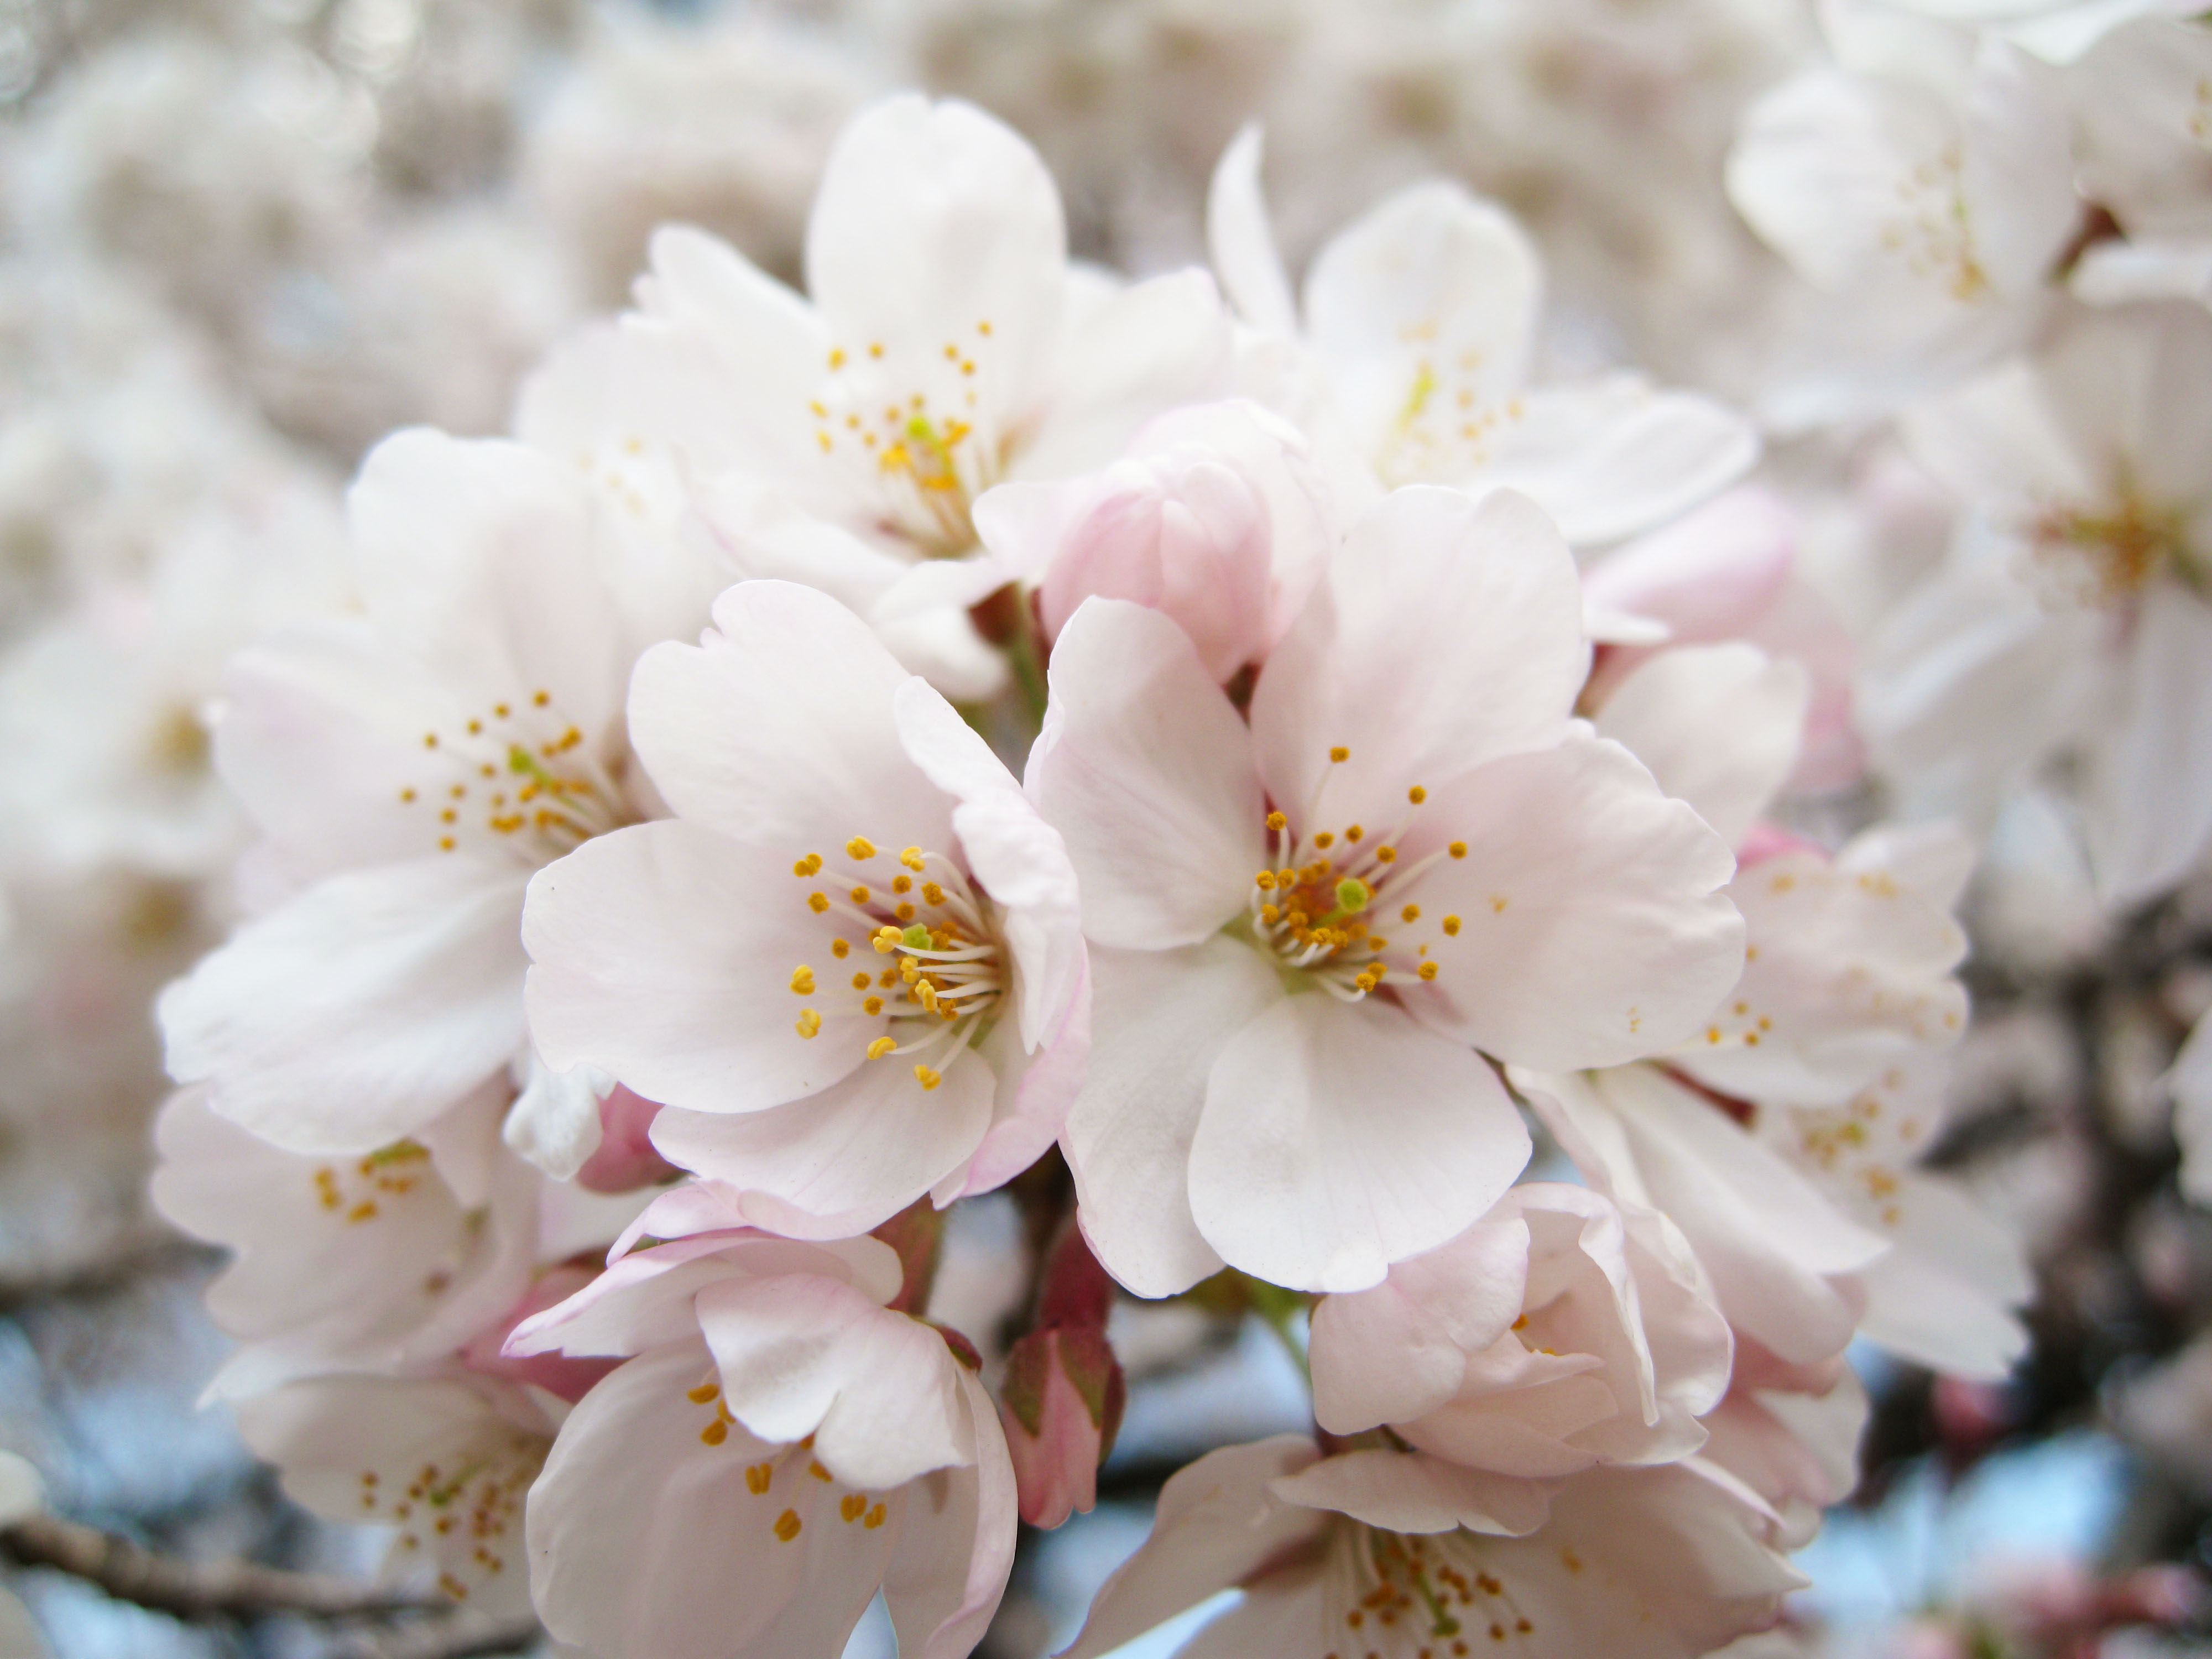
1668	1562
1921	185
849	967
1410	765
2077	614
408	769
1561	1331
2057	31
780	1447
1419	335
944	346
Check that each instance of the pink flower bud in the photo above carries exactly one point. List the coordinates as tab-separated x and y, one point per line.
1061	1402
1182	533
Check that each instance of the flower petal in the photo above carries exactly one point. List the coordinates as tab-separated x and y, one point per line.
1719	725
1242	244
1338	1139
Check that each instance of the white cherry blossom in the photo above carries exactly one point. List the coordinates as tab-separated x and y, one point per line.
1416	347
849	967
408	769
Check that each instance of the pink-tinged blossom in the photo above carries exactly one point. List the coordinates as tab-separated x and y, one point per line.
779	1447
1561	1331
849	967
1666	1563
1061	1394
1412	350
1216	515
408	769
1411	811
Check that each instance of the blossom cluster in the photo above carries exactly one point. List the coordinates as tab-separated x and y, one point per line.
1274	756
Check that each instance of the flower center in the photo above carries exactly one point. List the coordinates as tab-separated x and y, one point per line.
2102	558
521	782
1401	1596
922	457
790	1478
1443	430
1322	910
1932	230
947	970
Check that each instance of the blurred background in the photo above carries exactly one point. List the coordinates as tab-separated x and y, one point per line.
241	239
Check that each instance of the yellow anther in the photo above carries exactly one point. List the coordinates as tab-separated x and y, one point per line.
859	895
444	843
818	1472
1276	821
1339	755
860	981
932	893
886	941
837	361
475	728
904	913
817	903
429	739
1265	881
1451	924
882	1045
912	859
716	1432
407	795
902	883
1352	832
873	1006
703	1394
1427	970
786	1526
859	847
1324	839
808	1024
840	948
851	1506
802	868
1457	849
927	1078
1417	794
1386	855
1269	914
1411	913
875	1518
802	980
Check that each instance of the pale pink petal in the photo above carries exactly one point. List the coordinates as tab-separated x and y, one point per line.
1413	1493
1446	633
1338	1139
1592	927
777	728
2150	798
359	1012
1242	244
664	956
1160	1018
1218	1524
1144	769
1719	725
955	1544
842	1161
1398	1351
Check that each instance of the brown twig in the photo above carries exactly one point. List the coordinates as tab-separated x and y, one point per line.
198	1590
459	1636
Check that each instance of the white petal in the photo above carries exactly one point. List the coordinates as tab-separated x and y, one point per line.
1593	926
1399	1351
1216	1525
1158	1019
555	1121
646	1544
1144	769
778	728
1614	458
2150	798
663	955
1944	1295
360	1011
1337	1139
2016	178
842	1161
1719	725
957	1543
800	1355
1242	244
1413	1493
1446	633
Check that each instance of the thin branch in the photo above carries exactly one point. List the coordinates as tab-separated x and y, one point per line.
197	1590
458	1636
